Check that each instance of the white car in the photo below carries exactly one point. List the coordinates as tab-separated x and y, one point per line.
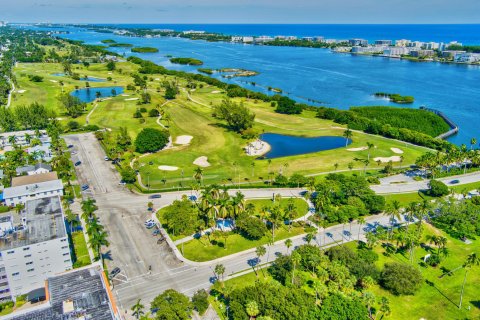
149	221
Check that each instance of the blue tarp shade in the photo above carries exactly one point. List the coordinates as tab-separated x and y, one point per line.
1	197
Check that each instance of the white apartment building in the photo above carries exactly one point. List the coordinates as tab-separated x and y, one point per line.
396	51
33	246
369	49
467	57
32	187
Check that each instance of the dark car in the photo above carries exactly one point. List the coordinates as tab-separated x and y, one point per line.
78	163
85	187
454	181
155	196
114	272
70	146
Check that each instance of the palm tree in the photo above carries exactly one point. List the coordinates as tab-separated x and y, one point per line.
88	208
19	207
253	168
369	146
350	166
137	309
260	251
472	260
335	166
473	142
393	210
285	166
288	244
198	175
347	134
309	237
369	299
252	309
96	241
296	258
361	221
220	271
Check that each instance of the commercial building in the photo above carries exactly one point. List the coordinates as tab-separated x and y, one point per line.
431	45
33	246
383	42
32	187
263	39
358	42
78	294
422	53
402	43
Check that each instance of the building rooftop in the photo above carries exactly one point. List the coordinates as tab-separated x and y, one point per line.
25	169
42	220
33	179
77	294
25	190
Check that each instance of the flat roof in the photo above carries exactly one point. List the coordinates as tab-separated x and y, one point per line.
72	295
34	178
42	220
26	190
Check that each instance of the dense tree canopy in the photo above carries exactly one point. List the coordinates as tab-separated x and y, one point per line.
172	305
401	278
237	116
151	140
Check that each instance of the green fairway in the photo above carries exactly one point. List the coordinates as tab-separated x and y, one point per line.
202	250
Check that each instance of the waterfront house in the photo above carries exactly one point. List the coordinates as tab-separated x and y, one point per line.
467	57
450	54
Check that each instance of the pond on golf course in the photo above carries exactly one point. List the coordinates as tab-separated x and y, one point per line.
284	145
90	94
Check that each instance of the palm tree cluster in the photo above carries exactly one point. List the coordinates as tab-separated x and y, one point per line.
453	158
216	203
98	237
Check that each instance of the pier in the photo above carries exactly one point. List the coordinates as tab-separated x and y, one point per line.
453	126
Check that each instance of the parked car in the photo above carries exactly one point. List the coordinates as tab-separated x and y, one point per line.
155	196
77	163
114	272
122	183
106	158
455	181
192	198
156	232
150	225
85	187
70	146
149	221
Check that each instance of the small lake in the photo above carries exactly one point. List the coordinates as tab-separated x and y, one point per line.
90	94
283	145
90	79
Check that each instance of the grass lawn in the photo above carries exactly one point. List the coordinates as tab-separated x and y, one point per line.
439	301
201	250
81	250
406	198
300	205
466	187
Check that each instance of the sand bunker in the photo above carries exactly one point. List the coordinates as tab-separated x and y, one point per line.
387	159
257	148
216	91
54	81
396	150
168	168
183	140
21	91
157	79
202	162
358	149
131	99
125	95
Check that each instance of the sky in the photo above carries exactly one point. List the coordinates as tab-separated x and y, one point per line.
241	11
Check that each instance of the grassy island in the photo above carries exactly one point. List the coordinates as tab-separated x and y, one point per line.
108	41
395	97
187	61
144	50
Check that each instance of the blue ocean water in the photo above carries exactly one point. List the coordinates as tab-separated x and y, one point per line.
334	79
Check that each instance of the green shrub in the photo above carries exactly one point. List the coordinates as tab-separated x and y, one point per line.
151	140
437	189
401	278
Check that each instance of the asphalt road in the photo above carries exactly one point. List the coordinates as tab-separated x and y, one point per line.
133	249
